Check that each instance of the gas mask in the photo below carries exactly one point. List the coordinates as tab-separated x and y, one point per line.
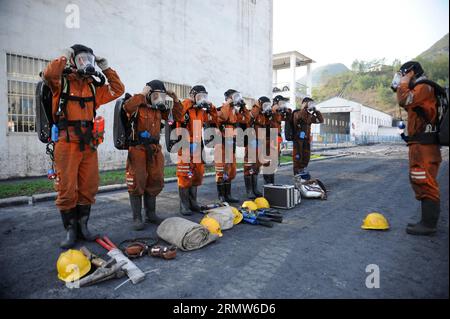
396	81
158	100
85	63
238	101
311	107
201	101
267	108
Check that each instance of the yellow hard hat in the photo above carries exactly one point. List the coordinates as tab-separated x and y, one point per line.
212	225
375	221
237	215
72	265
261	202
250	205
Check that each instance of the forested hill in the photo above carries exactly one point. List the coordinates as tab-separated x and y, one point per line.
368	81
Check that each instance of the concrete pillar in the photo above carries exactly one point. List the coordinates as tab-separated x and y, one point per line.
308	79
293	84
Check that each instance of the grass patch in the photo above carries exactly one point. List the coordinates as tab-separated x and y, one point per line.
28	187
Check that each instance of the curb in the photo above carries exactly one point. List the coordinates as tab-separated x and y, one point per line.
36	198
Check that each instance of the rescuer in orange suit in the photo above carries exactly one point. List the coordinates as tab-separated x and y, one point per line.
251	169
419	101
145	163
196	109
232	112
273	118
76	96
302	120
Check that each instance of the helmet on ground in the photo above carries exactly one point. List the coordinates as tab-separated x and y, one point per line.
250	205
212	225
237	215
261	202
375	221
72	265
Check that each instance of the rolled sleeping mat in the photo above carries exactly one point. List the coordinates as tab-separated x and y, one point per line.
184	234
223	215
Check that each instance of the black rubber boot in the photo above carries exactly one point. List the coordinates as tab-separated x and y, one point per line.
150	210
255	185
428	223
84	211
184	201
267	179
221	192
272	178
136	208
195	207
248	187
69	219
228	197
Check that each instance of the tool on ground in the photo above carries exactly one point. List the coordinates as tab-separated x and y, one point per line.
94	259
204	208
252	218
105	269
272	214
375	221
134	248
163	252
133	272
72	265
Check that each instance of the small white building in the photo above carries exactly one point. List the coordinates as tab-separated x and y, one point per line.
342	116
220	44
293	89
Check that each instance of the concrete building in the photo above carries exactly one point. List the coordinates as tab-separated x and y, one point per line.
221	44
293	89
343	116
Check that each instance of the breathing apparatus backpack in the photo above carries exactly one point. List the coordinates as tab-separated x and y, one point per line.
289	127
43	106
439	132
125	128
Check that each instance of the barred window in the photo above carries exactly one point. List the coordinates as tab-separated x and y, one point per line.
249	102
22	75
181	90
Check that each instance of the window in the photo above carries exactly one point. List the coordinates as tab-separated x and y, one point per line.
181	90
22	75
249	102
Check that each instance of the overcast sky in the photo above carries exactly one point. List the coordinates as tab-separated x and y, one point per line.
331	31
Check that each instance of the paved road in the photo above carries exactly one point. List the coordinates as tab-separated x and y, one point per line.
318	252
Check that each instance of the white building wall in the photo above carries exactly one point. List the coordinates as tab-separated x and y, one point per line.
221	44
363	120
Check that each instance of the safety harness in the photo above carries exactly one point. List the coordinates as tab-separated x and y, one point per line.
63	123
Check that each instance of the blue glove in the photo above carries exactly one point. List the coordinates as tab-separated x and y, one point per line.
193	147
144	134
302	135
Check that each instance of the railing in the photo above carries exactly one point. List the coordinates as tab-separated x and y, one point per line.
320	141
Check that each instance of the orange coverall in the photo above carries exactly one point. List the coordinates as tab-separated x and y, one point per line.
273	121
256	122
145	166
185	180
424	159
227	118
301	152
77	171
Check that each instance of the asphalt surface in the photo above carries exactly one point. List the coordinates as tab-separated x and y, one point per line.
319	251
